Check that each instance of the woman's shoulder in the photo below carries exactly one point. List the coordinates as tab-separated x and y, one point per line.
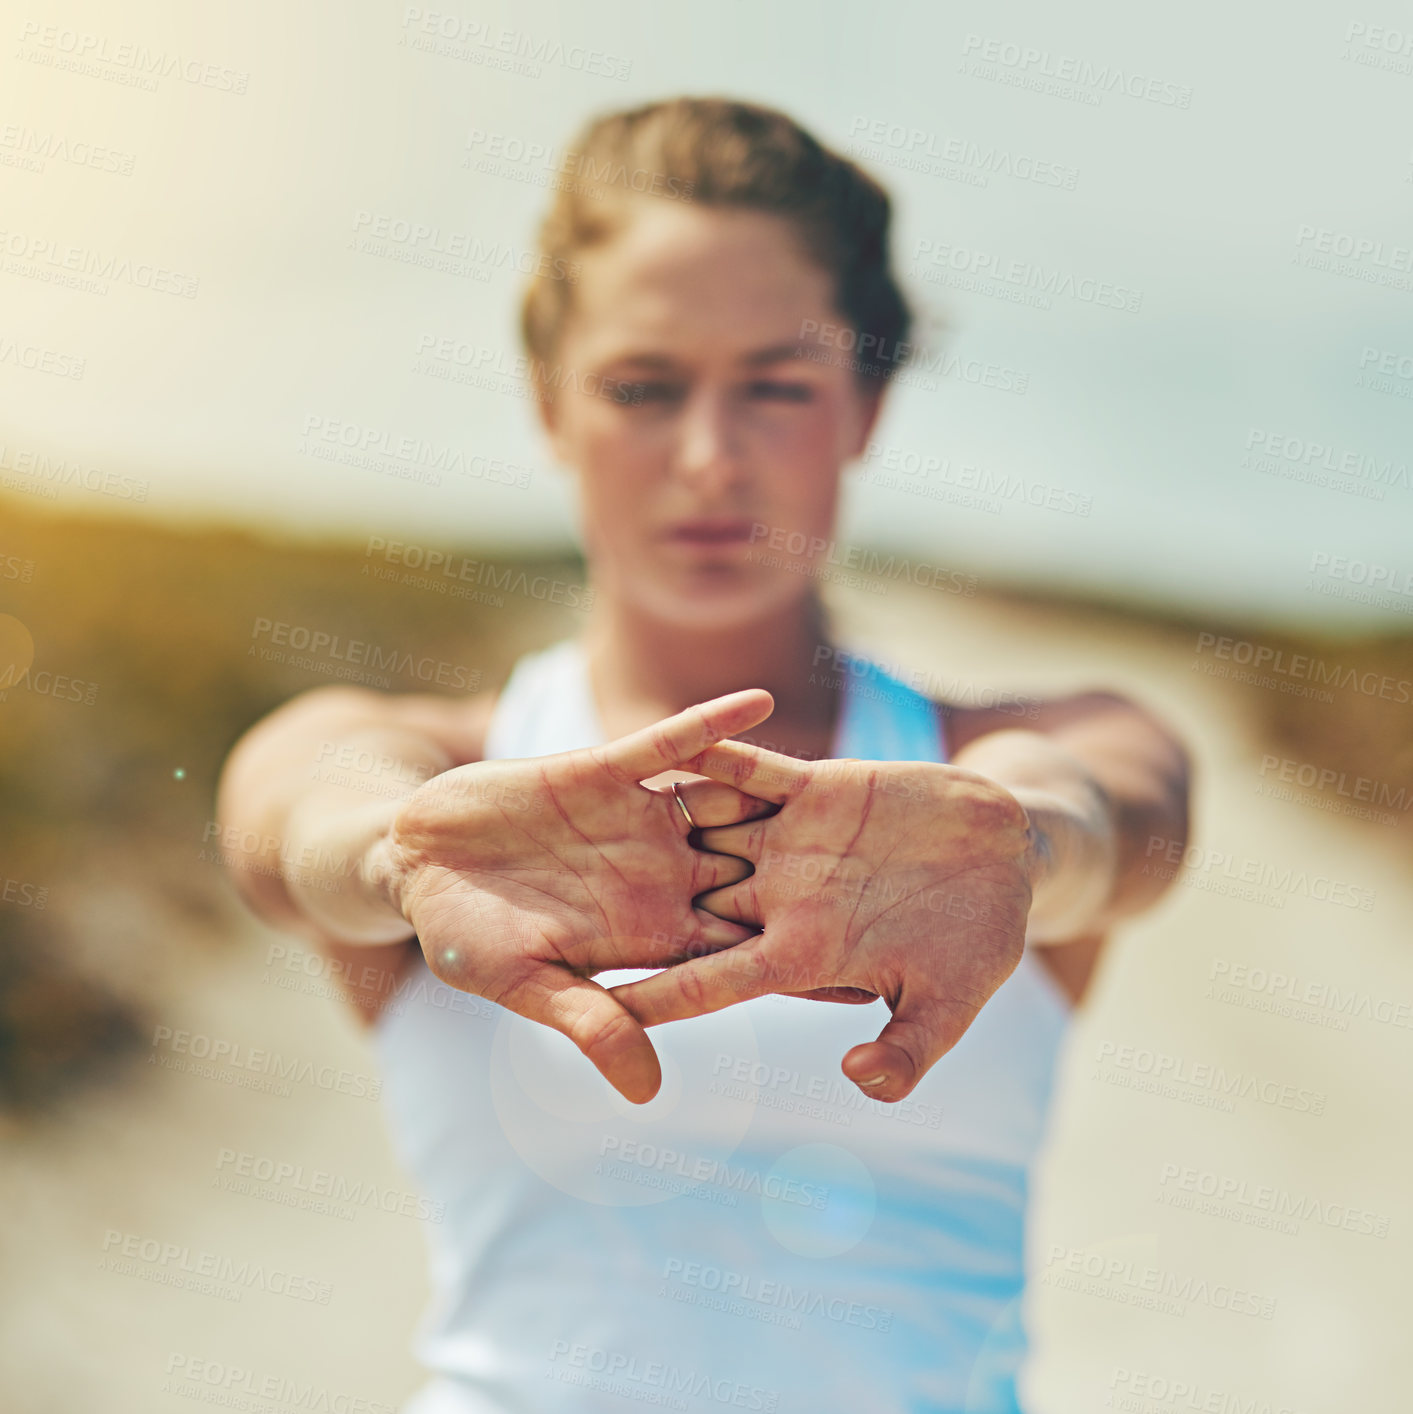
458	724
1077	711
463	725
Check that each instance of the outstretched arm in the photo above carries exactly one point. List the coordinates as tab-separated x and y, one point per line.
920	883
1106	787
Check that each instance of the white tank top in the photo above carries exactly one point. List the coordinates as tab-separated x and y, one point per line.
759	1236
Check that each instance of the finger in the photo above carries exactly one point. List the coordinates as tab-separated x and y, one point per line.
716	933
713	803
920	1032
738	903
697	934
746	841
598	1023
852	996
711	872
765	774
672	741
695	988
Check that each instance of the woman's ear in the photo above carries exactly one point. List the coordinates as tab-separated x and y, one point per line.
550	415
870	404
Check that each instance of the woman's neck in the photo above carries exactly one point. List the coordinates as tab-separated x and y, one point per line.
643	669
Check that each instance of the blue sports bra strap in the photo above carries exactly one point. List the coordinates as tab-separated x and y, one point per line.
883	719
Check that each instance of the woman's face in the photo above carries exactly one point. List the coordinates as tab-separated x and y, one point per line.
707	501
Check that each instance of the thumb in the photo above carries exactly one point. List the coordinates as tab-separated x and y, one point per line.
597	1022
922	1030
673	740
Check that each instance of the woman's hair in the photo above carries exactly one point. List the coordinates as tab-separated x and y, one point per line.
716	152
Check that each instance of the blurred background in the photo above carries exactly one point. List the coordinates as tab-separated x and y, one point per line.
259	270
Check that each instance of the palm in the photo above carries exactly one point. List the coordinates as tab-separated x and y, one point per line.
577	870
527	877
899	880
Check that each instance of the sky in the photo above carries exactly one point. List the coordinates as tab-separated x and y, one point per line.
1163	263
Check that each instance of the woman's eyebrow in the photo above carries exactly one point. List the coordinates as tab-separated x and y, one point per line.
778	353
654	361
757	358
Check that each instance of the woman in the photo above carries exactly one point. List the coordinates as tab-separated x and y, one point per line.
719	1216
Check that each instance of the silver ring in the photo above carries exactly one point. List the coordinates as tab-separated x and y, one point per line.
682	806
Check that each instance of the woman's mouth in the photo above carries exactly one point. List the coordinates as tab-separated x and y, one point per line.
712	531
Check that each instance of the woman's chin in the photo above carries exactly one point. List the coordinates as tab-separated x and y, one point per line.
723	605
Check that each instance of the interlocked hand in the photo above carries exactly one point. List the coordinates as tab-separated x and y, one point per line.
900	880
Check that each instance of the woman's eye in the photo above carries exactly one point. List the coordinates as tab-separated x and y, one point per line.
655	392
775	390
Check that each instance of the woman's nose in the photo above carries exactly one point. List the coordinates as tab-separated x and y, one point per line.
709	453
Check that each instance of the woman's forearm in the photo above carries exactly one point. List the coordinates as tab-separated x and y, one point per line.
336	872
1099	794
305	804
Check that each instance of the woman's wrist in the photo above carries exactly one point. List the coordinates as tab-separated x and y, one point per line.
341	872
1071	860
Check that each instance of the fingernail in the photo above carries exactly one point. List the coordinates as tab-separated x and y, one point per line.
874	1083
